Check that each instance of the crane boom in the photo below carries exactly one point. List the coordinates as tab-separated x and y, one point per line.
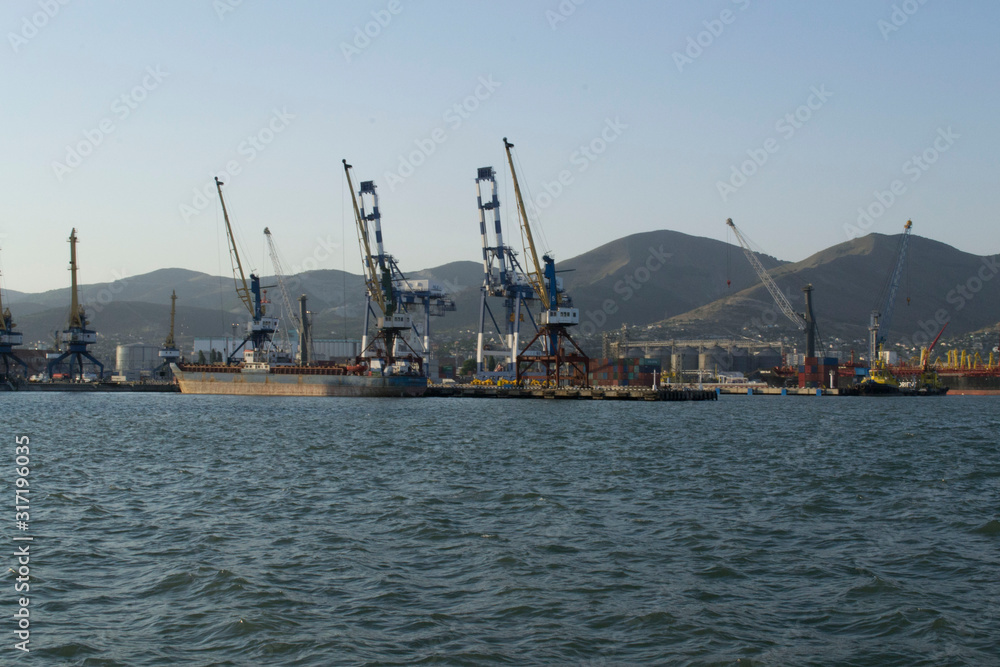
537	279
279	273
371	278
765	277
242	290
882	318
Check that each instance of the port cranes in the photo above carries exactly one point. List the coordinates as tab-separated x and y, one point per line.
503	277
557	353
382	276
9	338
260	328
76	336
804	321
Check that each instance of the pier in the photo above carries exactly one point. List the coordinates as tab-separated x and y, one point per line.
571	393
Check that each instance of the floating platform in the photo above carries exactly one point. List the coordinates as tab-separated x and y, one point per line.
572	393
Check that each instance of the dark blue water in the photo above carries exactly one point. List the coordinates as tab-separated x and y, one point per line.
754	530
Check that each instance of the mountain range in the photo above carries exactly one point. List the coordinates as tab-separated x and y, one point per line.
670	283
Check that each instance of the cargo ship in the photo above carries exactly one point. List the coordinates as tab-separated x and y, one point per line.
972	382
377	372
256	378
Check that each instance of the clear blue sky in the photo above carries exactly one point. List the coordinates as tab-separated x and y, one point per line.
198	80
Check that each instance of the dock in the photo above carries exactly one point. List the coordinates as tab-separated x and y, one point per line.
571	393
92	387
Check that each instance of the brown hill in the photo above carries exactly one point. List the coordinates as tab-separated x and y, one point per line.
939	284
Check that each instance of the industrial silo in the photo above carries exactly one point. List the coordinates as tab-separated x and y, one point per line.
767	358
740	360
684	359
713	359
136	357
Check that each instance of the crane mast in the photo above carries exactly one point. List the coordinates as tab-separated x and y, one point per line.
260	329
386	286
242	290
373	279
538	277
881	317
804	321
503	277
169	352
169	343
77	336
279	273
559	357
765	277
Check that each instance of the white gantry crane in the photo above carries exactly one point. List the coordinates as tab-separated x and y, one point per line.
804	321
298	321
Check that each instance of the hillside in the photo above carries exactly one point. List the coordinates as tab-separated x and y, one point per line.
939	284
672	282
645	278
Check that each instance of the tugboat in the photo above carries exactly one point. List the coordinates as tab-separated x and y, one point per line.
879	382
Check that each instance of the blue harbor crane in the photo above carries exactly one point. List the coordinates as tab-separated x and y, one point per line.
879	379
9	338
557	357
261	328
503	278
389	347
77	337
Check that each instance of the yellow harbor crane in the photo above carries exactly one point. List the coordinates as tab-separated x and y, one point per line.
76	336
261	328
556	357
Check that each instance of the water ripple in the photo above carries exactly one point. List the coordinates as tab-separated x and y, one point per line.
219	530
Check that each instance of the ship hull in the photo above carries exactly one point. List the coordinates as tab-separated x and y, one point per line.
241	383
972	384
877	389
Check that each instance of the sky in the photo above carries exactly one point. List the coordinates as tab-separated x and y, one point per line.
807	123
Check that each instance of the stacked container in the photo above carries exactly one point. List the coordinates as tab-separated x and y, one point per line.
631	372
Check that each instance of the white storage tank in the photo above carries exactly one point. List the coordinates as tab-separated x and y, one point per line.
684	359
136	357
